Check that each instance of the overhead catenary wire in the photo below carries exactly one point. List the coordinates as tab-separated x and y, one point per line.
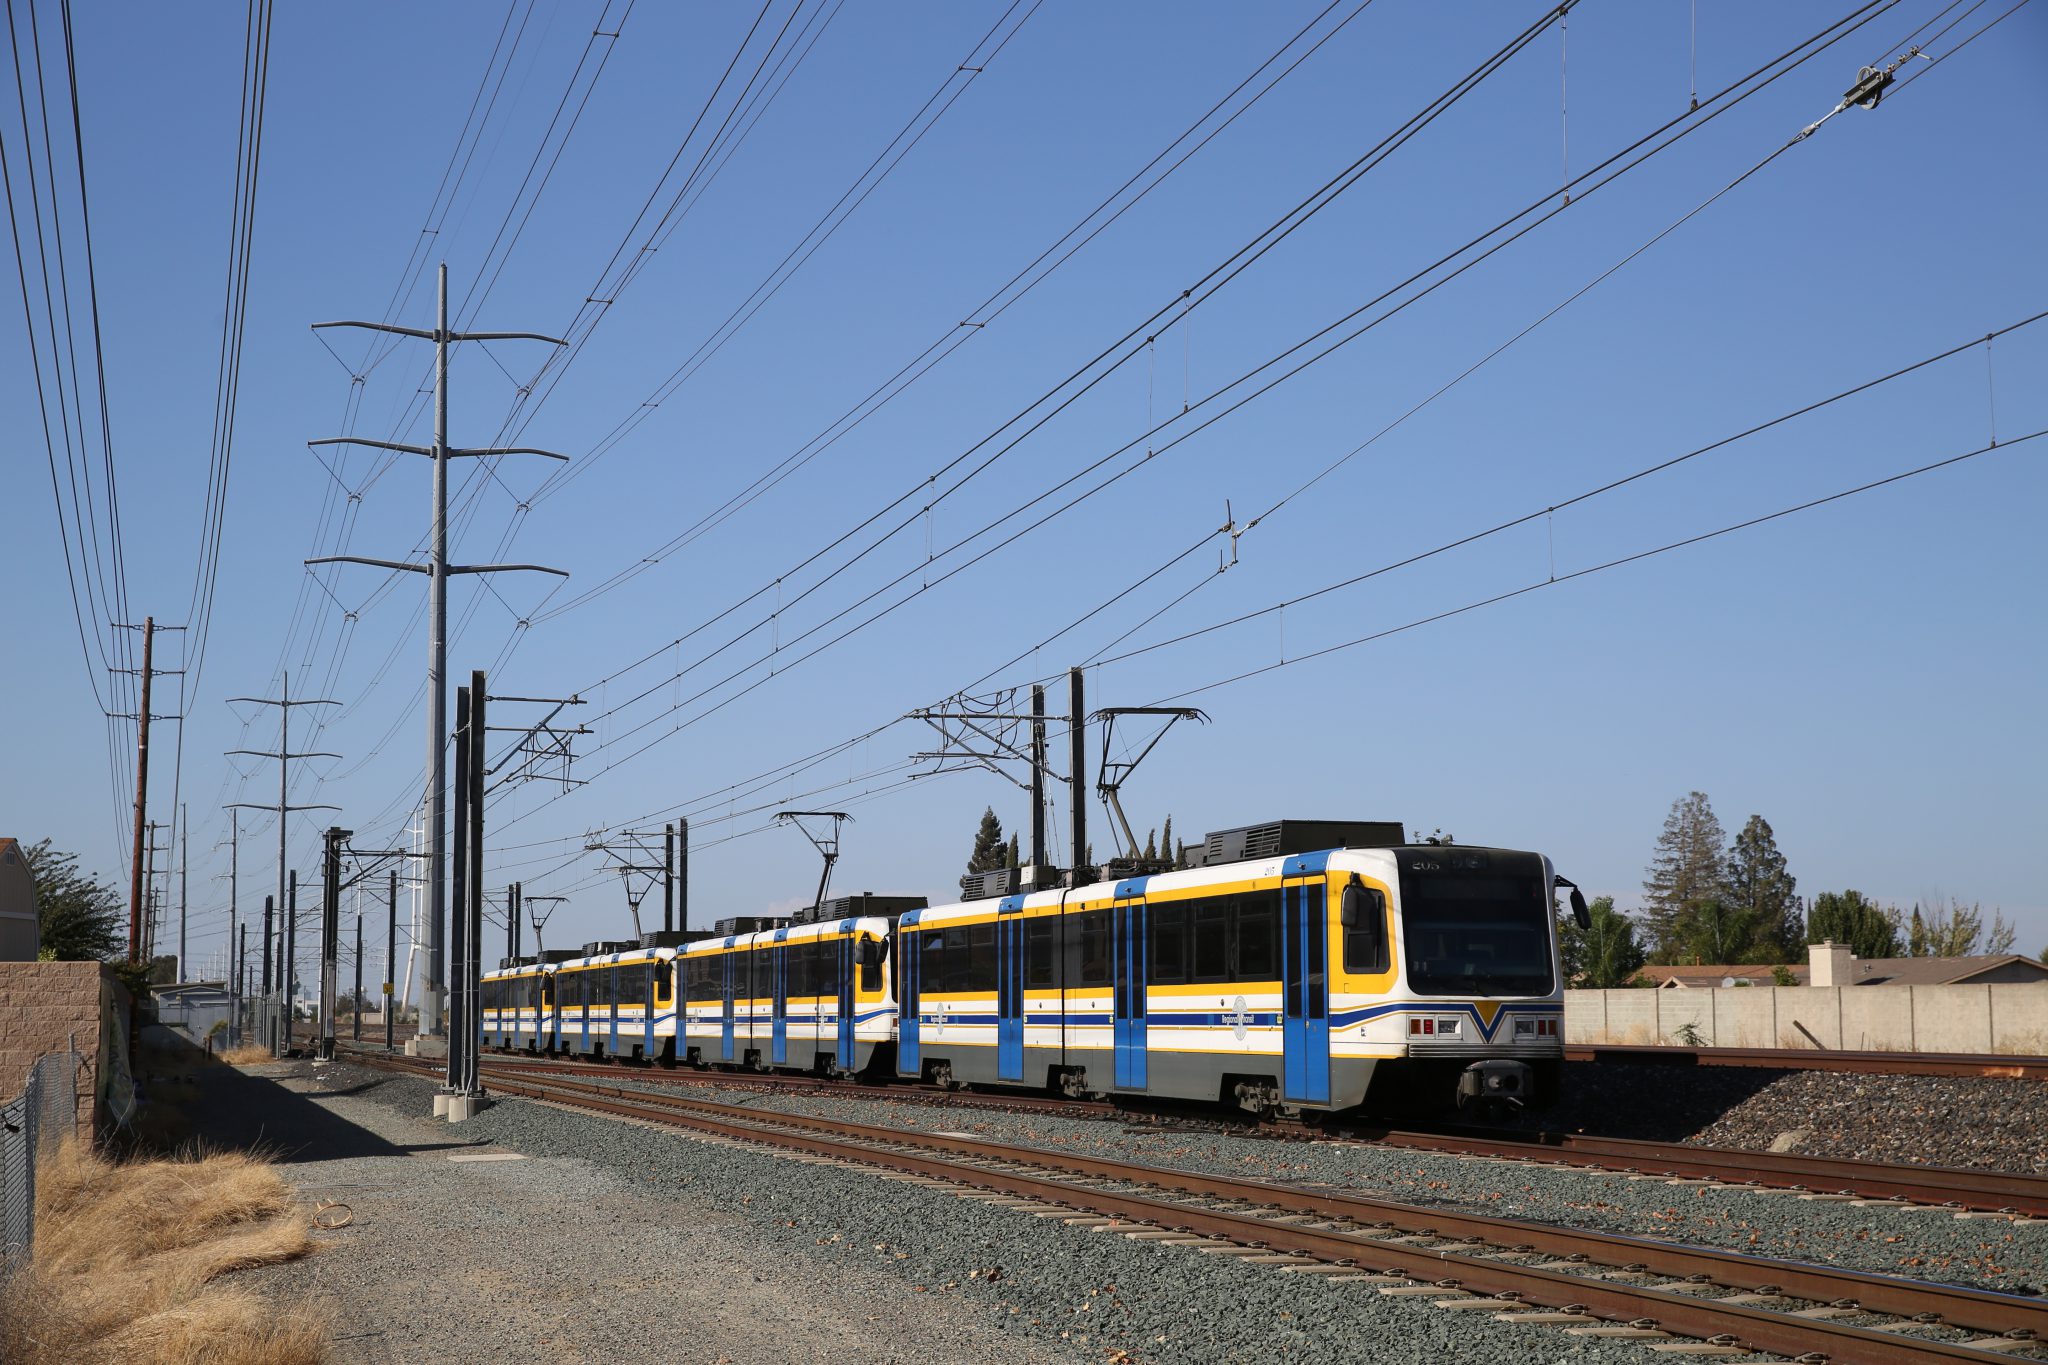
1601	175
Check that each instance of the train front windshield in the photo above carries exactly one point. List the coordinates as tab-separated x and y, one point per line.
1475	923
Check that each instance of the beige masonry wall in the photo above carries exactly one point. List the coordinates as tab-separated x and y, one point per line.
2010	1019
50	1006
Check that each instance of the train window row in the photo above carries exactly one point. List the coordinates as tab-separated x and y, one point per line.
810	969
513	993
604	987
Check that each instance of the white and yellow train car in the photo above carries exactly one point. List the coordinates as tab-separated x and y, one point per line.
620	1005
1303	980
809	997
518	1008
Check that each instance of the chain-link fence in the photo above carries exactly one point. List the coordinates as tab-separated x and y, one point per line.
44	1114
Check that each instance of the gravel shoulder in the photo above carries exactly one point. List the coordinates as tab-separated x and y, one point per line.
912	1273
554	1256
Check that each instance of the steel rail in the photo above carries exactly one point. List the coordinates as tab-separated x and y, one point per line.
1679	1312
2000	1191
1994	1065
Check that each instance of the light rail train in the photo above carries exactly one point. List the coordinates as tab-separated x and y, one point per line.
1302	966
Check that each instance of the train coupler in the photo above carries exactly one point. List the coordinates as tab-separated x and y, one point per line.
1496	1084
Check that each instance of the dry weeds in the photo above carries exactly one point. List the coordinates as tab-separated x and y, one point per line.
125	1256
247	1054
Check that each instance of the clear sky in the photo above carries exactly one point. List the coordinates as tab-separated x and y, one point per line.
1866	674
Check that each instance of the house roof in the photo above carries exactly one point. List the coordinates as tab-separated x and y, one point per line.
1877	971
1936	971
1697	975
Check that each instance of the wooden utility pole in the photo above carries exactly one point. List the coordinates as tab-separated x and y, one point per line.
141	794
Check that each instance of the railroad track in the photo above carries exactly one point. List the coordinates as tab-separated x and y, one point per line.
1994	1065
1589	1282
1818	1177
1830	1178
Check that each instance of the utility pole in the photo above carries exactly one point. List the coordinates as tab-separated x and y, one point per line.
330	933
390	955
683	875
288	966
184	870
668	879
1077	761
269	909
356	1001
512	920
241	982
141	793
438	570
1038	775
284	702
458	1029
136	886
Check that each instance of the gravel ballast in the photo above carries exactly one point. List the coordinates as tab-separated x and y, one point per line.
1060	1291
1928	1244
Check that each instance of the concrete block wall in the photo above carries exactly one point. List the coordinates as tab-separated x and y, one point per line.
46	1007
2009	1019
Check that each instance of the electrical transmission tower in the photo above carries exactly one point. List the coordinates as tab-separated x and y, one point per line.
284	701
437	568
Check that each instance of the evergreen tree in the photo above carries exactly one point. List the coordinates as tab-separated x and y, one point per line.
1016	856
82	920
1180	854
1166	841
1851	917
989	849
1958	930
1760	887
1604	955
1151	845
1687	869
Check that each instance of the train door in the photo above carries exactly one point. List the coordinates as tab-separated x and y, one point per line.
647	1015
909	973
544	1020
778	964
612	997
1305	991
726	964
1010	992
1127	968
849	963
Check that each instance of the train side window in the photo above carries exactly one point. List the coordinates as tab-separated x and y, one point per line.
827	980
958	969
1040	943
870	951
1257	916
1209	926
1090	937
1169	944
981	955
1365	941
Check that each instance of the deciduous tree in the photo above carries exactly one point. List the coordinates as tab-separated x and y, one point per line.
1853	918
1605	954
1688	868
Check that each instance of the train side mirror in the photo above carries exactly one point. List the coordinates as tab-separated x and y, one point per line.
1580	914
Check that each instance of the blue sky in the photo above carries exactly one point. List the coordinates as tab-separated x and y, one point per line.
1866	675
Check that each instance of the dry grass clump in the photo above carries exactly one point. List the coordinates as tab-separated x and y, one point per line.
125	1256
247	1054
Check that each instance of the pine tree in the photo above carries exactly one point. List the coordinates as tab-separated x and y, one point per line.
988	844
1166	840
1687	869
1760	887
1151	845
1180	854
1016	854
